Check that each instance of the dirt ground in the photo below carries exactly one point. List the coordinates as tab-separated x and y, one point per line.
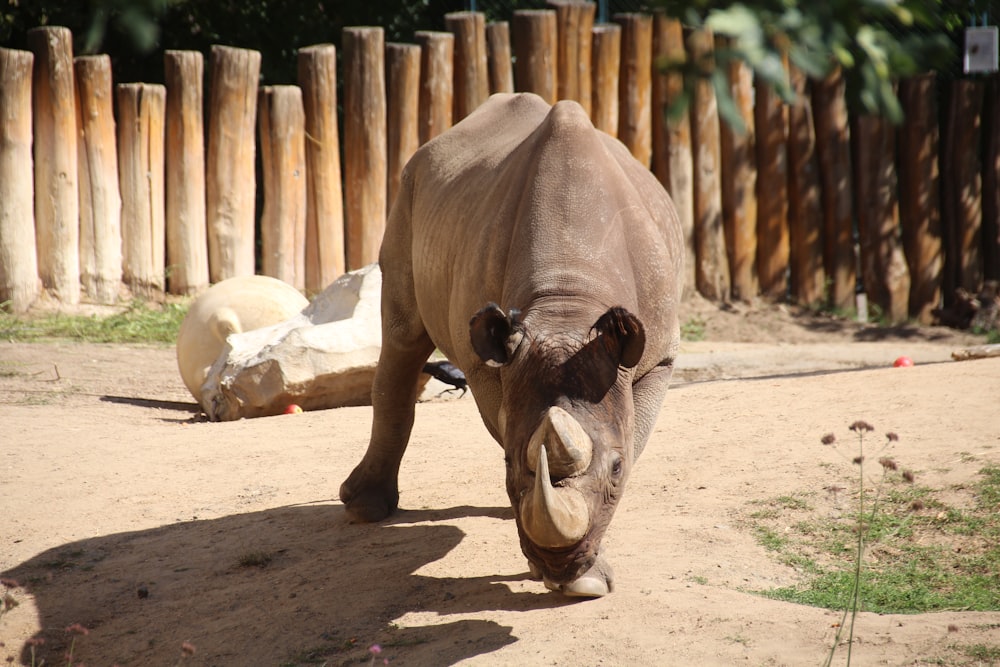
124	512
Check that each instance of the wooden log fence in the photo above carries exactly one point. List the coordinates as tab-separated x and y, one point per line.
672	159
19	283
141	134
283	165
739	184
187	239
57	208
499	60
325	258
536	52
712	276
230	175
100	201
786	209
365	143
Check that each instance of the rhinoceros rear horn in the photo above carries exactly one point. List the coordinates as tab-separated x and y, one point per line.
495	335
623	336
569	447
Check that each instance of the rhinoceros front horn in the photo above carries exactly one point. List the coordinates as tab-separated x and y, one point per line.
569	447
553	517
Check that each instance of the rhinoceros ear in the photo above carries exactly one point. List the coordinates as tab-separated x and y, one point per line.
623	336
495	335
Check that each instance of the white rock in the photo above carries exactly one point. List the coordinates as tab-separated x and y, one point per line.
230	306
324	357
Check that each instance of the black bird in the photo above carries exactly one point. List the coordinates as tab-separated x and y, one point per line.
446	372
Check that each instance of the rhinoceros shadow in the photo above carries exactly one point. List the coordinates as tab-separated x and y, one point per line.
284	586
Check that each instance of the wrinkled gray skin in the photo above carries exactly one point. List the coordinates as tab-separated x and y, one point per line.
528	207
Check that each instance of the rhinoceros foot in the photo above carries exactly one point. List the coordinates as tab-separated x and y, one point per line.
366	500
596	582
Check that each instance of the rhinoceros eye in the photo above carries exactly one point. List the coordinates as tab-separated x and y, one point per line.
616	467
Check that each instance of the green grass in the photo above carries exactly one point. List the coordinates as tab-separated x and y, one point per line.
921	555
693	330
139	322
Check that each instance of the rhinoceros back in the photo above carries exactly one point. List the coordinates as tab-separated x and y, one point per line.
521	201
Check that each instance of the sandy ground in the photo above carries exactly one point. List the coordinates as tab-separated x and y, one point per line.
124	512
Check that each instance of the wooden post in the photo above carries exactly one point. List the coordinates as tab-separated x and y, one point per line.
739	183
100	201
472	85
57	210
364	143
833	150
961	189
501	67
635	85
805	219
436	82
771	121
19	282
991	182
140	160
325	258
535	52
575	22
283	165
919	200
672	160
230	179
712	266
606	59
187	240
403	110
883	268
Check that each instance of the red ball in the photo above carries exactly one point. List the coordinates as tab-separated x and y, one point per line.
293	409
902	362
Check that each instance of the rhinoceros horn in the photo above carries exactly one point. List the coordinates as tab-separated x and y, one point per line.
553	517
570	448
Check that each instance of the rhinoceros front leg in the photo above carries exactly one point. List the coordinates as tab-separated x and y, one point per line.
647	396
371	492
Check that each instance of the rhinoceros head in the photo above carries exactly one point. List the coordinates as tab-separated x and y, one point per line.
566	422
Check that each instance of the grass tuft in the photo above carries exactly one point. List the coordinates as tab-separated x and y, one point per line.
888	544
139	322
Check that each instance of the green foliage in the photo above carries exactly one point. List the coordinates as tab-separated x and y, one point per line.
135	33
873	42
693	329
138	323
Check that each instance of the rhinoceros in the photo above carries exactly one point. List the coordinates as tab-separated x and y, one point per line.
544	261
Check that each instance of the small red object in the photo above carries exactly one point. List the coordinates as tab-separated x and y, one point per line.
294	409
902	362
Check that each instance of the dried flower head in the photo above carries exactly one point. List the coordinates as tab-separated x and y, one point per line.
952	627
891	437
77	629
857	460
188	649
917	505
10	583
36	641
862	426
887	463
908	476
828	439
